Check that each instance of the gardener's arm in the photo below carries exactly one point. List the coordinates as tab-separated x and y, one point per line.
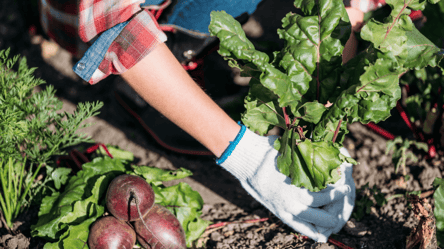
164	84
356	18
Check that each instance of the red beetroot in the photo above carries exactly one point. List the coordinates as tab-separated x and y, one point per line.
111	233
122	194
163	230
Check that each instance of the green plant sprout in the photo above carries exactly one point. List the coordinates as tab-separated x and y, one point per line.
369	196
401	152
15	186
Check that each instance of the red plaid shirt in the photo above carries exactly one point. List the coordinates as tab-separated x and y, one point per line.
75	23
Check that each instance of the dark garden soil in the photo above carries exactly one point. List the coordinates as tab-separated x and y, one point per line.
247	223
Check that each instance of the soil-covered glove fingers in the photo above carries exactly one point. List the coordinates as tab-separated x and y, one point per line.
275	192
332	193
342	209
324	233
304	227
268	179
299	217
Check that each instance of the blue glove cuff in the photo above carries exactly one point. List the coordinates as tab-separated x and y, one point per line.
232	145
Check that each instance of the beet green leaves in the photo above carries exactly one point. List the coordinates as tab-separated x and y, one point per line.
306	90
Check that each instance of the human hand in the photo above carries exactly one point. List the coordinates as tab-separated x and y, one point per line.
357	8
364	5
252	159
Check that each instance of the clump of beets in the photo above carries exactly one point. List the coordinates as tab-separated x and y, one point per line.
162	229
131	199
123	194
111	233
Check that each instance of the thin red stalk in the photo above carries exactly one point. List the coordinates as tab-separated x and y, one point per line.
337	131
73	156
294	121
221	224
380	131
81	156
287	118
96	146
394	22
406	119
338	244
106	150
318	85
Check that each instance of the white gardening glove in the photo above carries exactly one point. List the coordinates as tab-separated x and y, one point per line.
252	159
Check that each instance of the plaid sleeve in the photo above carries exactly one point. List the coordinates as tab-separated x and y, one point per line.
96	16
120	47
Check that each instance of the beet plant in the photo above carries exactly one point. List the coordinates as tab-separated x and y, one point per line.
67	216
308	92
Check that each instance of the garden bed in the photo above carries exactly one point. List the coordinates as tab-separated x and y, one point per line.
249	225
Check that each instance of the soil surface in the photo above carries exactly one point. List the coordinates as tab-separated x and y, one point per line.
249	224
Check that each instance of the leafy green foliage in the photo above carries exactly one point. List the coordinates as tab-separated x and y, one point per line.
65	216
367	198
31	124
307	91
425	99
32	130
438	183
14	189
401	152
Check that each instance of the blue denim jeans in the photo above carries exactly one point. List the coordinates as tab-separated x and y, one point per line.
190	16
194	15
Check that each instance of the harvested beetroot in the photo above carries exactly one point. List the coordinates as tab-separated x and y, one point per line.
111	233
124	193
162	230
